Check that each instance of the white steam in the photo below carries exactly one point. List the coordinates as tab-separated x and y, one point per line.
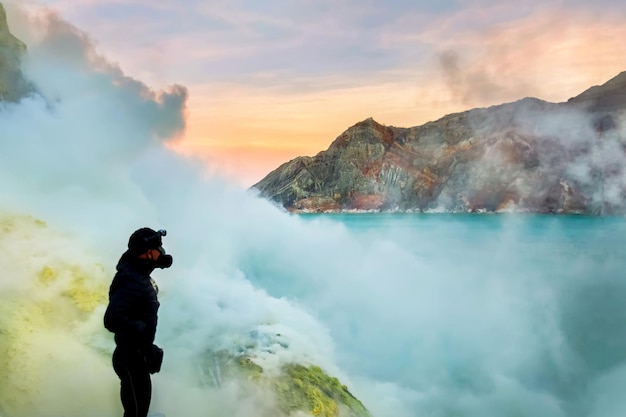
440	320
87	154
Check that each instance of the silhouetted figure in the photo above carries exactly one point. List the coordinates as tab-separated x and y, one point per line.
132	316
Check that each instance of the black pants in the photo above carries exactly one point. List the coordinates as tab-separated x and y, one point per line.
136	386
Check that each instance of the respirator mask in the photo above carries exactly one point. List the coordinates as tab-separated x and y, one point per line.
165	260
146	238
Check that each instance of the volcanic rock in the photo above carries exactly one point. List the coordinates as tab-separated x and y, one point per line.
12	83
526	156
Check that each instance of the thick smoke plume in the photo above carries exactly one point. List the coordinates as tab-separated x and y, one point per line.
441	320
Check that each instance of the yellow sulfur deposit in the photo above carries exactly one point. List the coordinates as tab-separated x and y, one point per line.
311	389
47	363
297	388
85	296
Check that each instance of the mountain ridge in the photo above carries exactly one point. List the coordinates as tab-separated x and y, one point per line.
529	155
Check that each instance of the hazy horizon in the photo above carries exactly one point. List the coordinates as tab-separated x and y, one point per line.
268	84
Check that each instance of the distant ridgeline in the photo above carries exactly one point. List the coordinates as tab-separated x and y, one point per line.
527	156
12	84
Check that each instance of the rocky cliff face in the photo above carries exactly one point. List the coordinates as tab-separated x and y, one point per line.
528	156
12	84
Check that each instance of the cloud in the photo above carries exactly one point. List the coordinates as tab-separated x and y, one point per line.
473	86
87	107
89	155
552	54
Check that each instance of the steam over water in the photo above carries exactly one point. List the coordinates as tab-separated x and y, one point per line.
435	315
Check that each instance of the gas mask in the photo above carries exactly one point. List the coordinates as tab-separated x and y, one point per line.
165	260
146	238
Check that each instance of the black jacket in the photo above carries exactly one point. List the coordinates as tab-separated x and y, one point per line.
133	304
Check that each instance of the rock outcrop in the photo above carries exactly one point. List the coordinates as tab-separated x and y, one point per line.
528	156
299	389
13	86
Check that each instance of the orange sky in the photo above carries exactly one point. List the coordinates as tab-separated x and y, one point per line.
269	84
247	132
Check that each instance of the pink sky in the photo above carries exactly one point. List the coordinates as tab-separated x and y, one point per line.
268	84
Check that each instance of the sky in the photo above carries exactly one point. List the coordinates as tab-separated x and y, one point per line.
272	80
103	150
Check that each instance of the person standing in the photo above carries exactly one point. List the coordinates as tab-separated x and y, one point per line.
132	316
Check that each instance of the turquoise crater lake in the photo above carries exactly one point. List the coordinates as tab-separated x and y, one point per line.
465	314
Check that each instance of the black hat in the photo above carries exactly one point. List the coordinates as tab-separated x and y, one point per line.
144	239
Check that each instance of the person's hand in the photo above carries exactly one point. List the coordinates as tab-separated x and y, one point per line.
154	359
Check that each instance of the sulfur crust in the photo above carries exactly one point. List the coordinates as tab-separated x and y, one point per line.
50	298
298	388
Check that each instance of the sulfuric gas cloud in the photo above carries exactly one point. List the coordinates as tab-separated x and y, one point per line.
443	320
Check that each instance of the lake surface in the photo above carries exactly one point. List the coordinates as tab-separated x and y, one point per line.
465	315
